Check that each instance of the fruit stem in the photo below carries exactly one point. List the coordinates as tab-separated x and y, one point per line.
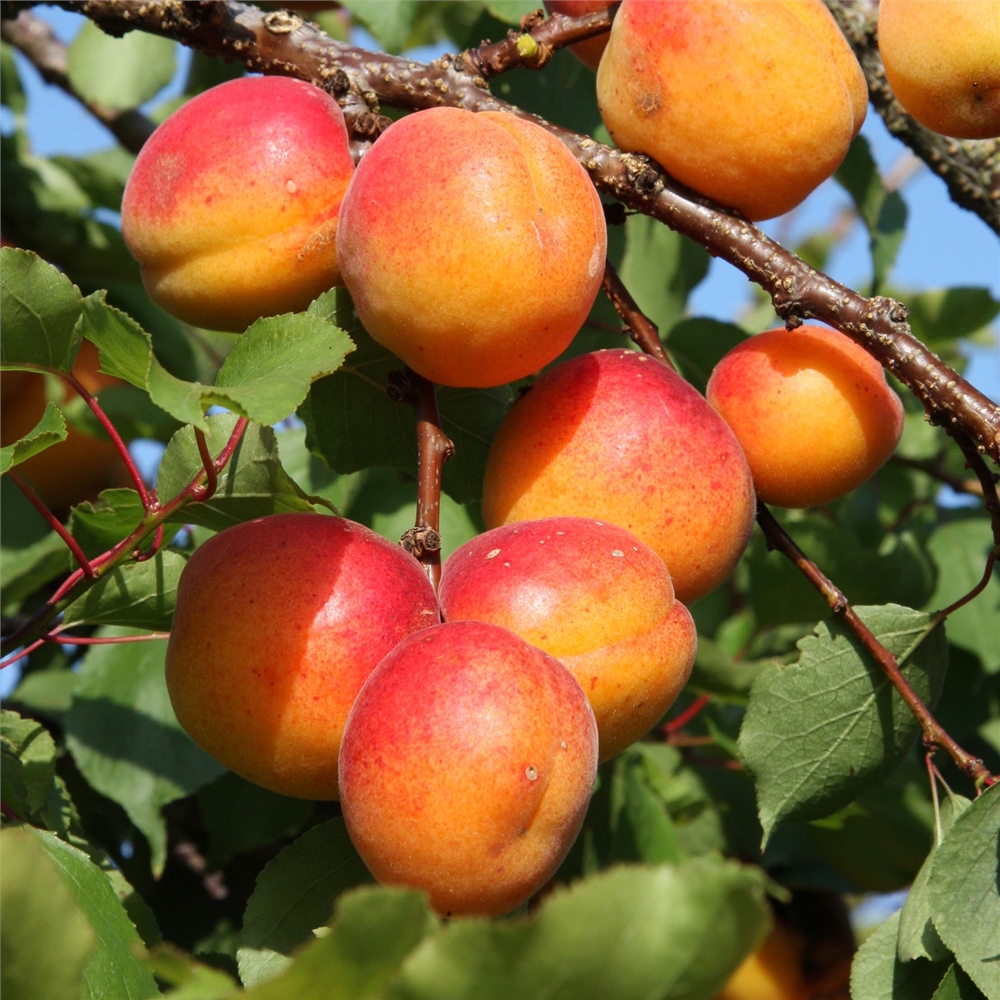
680	721
934	735
638	326
54	523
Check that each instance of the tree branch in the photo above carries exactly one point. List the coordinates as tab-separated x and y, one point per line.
36	40
284	43
638	325
970	168
934	734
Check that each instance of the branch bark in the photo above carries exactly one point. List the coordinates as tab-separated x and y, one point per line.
283	43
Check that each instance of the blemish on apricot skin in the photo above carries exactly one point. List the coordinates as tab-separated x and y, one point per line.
531	772
492	554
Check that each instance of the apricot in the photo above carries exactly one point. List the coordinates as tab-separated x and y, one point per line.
76	469
467	766
279	622
942	60
620	437
752	104
811	409
231	208
594	596
773	972
473	245
590	50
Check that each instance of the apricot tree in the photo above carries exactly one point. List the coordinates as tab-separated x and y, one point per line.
840	728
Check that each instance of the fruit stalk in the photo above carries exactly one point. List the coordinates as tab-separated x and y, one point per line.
638	326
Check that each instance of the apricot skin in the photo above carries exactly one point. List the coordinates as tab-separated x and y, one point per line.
942	60
712	92
622	438
231	209
594	596
812	410
467	767
473	245
279	622
76	469
590	50
773	972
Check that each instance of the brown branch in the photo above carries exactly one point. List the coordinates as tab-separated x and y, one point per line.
285	44
638	326
975	592
987	480
434	448
934	734
969	168
36	40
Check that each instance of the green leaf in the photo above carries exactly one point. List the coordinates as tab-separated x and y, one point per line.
190	980
101	524
820	732
660	268
50	430
11	91
964	891
127	742
45	940
113	969
950	313
137	594
294	894
253	484
956	985
40	307
29	763
46	692
353	424
241	816
24	570
630	932
390	21
877	974
917	936
960	549
371	934
882	211
698	345
119	73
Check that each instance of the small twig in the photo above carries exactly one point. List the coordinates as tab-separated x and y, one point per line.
934	734
987	479
680	721
931	771
975	592
638	326
38	43
54	523
932	469
139	556
211	475
109	640
9	813
687	740
112	433
21	653
434	448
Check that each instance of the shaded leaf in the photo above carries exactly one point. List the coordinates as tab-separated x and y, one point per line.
137	594
630	932
45	940
371	934
190	980
820	732
956	985
877	974
964	889
99	525
294	894
127	742
698	345
29	763
50	430
950	313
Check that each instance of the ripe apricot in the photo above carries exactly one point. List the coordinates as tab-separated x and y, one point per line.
942	60
467	766
279	622
811	409
594	596
76	469
231	208
620	437
773	972
590	50
752	104
473	245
